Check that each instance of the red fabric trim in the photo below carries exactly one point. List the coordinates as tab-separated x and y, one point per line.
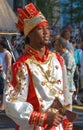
32	98
52	128
16	66
17	127
33	52
67	125
44	23
60	59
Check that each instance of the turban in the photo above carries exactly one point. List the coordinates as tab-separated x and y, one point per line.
29	18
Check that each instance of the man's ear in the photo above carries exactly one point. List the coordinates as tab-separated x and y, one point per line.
30	34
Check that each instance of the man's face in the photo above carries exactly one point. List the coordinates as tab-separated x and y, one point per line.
67	35
40	36
58	48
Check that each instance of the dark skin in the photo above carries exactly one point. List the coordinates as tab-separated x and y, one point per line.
39	37
1	67
53	119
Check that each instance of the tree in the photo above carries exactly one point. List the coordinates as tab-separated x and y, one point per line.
73	9
51	10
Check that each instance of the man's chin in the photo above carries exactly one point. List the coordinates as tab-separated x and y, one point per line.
45	43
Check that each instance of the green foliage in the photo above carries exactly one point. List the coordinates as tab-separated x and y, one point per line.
74	9
47	7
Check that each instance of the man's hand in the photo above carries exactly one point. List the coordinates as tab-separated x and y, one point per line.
53	119
57	119
63	110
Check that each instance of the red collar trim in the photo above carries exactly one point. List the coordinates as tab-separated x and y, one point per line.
34	53
31	51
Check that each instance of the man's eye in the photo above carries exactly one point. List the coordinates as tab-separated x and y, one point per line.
39	28
48	28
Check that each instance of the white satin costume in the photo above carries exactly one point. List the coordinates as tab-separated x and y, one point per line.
49	80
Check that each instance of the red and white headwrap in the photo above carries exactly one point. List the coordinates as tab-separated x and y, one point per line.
29	18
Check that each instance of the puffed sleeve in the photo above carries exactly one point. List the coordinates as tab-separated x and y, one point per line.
15	94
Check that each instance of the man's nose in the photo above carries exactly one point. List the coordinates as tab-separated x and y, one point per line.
46	30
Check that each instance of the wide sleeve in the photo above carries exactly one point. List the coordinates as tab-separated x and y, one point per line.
15	94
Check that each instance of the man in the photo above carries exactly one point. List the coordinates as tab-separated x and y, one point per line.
37	78
69	61
76	74
66	34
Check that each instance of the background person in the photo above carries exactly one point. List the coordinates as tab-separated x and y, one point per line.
66	34
60	46
77	71
81	70
1	86
6	59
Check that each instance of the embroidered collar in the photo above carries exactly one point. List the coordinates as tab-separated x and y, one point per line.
33	52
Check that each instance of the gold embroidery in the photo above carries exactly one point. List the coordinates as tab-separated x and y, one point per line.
49	79
21	77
